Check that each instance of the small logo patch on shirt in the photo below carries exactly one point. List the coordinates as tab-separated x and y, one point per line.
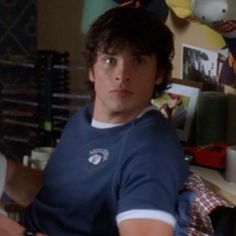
98	155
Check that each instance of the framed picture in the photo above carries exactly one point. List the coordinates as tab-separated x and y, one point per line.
199	64
178	105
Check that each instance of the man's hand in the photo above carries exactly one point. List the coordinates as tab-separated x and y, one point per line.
9	227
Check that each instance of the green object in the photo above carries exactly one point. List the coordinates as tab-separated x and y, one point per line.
211	121
92	9
48	126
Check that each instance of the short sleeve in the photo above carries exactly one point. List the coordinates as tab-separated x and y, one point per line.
152	175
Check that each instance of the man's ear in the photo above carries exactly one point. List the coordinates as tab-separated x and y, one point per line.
91	75
159	78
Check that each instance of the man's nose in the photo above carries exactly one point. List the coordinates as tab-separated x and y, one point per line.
123	73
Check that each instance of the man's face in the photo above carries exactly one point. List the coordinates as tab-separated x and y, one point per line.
173	102
232	62
124	84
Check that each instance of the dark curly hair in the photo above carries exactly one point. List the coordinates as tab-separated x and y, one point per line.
138	28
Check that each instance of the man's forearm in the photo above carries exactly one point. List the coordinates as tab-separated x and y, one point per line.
147	227
8	227
22	183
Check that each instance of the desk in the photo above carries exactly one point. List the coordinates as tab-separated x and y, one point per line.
214	179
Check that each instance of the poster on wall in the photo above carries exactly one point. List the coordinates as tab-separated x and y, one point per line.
199	64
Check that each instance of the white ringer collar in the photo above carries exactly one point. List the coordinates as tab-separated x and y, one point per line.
104	125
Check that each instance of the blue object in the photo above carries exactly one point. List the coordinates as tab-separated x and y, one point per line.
231	44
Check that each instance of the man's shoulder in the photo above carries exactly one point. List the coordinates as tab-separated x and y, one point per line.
153	122
79	118
153	130
83	112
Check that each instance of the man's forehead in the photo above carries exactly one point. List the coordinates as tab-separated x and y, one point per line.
121	50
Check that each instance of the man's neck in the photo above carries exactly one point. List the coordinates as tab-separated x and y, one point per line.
102	125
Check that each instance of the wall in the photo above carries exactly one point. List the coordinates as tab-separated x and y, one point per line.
193	34
59	28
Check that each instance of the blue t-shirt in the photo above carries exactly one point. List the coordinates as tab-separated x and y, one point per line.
98	177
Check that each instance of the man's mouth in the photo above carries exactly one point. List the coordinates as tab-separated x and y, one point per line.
121	91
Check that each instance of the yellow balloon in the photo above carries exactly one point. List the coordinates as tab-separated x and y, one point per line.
182	8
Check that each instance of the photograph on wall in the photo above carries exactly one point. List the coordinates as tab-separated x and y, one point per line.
227	69
199	64
178	105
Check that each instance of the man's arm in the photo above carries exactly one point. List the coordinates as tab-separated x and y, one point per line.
147	227
22	183
9	227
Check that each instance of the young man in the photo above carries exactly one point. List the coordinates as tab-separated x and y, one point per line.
119	166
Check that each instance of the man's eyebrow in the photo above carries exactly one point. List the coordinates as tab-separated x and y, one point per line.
141	54
115	52
107	52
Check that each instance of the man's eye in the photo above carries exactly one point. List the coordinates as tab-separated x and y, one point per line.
139	60
110	60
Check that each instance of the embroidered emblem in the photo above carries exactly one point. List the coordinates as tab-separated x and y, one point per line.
98	155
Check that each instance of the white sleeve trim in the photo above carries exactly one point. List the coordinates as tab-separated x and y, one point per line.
3	167
147	214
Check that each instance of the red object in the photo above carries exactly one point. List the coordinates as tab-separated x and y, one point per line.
212	155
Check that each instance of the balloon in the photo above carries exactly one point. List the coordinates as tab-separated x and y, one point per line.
92	9
220	15
183	9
